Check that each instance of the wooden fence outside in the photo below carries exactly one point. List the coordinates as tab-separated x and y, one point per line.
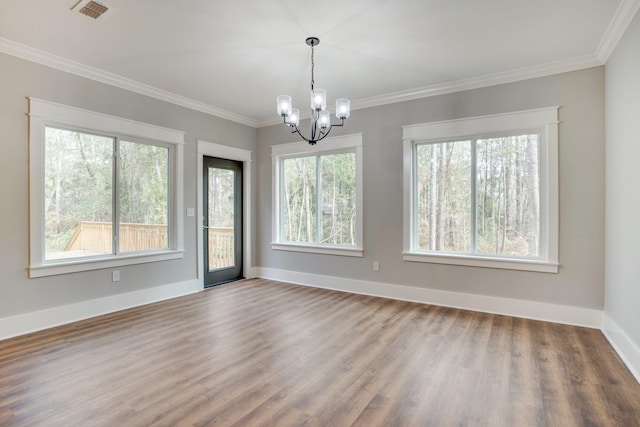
221	244
95	237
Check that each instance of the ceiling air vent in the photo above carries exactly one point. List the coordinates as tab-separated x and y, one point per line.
93	9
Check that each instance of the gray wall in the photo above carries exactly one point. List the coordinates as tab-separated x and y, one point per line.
580	280
623	175
20	79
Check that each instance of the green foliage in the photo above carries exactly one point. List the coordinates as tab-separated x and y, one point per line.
221	197
78	175
79	187
338	177
319	199
144	191
444	203
506	196
300	199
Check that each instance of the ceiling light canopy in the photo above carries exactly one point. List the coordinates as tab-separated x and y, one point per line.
320	117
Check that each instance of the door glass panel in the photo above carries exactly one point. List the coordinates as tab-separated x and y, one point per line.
221	218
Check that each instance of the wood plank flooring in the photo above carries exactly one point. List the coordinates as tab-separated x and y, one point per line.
263	353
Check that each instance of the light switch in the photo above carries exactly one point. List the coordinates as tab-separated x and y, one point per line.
191	212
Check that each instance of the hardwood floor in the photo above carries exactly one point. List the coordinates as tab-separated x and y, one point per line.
258	352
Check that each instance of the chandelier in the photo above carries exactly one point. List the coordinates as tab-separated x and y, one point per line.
320	117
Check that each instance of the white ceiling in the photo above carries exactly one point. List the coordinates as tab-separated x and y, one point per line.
232	58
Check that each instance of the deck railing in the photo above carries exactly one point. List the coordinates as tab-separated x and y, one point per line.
95	237
221	253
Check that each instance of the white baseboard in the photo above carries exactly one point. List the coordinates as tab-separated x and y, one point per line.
253	272
628	351
48	318
569	315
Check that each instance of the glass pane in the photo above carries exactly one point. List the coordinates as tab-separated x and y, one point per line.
144	197
338	198
443	198
299	199
78	194
221	200
508	196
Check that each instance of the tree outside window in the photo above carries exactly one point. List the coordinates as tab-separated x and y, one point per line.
498	177
104	191
483	191
317	198
80	195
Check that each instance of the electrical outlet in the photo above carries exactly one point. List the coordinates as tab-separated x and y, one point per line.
376	266
115	276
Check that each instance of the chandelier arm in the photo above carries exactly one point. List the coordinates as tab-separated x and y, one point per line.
312	140
295	129
324	135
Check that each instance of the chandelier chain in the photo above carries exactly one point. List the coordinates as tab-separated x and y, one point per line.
312	67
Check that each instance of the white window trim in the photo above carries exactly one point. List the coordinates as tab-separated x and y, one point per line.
327	145
543	121
45	113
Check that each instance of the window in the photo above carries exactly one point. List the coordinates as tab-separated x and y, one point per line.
317	196
483	191
102	190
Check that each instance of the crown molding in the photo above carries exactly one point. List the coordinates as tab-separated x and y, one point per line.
487	80
63	64
618	25
622	18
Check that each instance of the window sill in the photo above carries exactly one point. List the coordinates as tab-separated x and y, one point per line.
64	267
318	249
486	262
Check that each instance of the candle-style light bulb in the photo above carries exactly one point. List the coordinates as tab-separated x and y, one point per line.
284	105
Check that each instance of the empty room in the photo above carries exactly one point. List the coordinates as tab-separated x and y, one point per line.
287	213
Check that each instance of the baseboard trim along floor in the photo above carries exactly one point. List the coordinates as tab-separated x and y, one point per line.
564	314
56	316
623	345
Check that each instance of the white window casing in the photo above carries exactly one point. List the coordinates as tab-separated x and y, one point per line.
298	149
543	122
45	113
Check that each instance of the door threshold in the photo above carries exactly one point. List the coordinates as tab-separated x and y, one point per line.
224	282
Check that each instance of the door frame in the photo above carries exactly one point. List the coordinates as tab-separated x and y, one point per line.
211	149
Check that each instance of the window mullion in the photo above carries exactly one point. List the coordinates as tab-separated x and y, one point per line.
318	200
474	195
115	189
414	213
281	199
